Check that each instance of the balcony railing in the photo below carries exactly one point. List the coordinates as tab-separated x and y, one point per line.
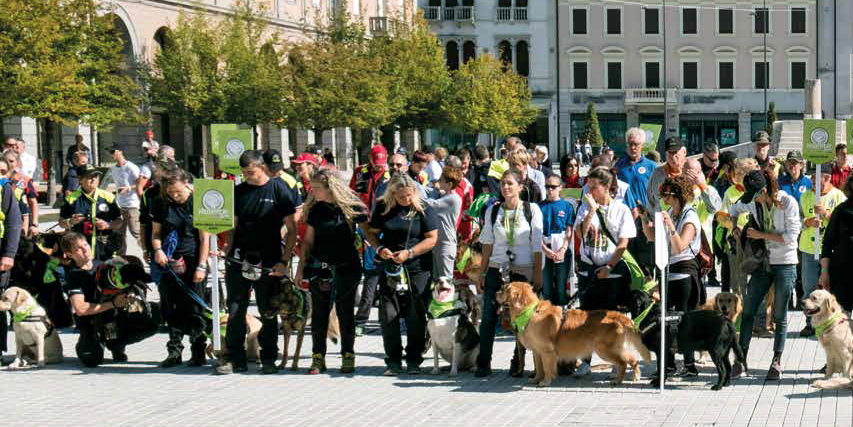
459	13
649	96
378	25
432	13
512	14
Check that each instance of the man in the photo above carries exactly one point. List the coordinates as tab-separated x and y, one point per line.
498	167
482	163
328	156
72	181
100	320
10	233
417	168
149	145
367	177
317	152
396	164
433	168
793	181
633	168
28	161
468	171
762	153
275	168
256	260
78	146
587	151
125	175
92	212
146	171
24	188
676	156
840	168
710	162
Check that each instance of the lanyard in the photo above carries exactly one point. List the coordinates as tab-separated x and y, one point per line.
94	202
509	227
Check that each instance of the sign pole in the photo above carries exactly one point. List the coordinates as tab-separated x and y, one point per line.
662	263
817	180
214	292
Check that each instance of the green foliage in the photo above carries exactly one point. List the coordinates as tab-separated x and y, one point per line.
62	60
485	98
592	132
771	117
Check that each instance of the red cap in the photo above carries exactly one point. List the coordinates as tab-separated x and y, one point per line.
378	155
306	157
149	132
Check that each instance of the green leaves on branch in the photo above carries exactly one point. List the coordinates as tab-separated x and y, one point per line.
592	132
63	60
483	98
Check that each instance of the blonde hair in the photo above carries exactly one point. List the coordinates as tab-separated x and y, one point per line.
398	182
518	158
342	196
743	167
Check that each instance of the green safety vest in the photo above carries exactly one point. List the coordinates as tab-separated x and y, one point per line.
829	201
497	168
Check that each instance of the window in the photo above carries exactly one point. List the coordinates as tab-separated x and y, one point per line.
689	21
505	54
798	75
652	74
690	75
798	20
469	51
761	19
613	23
579	75
579	21
761	76
614	75
651	20
522	58
452	55
725	21
726	74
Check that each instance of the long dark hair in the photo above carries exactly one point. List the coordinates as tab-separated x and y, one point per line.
564	161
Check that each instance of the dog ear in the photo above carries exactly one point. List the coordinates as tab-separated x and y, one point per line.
831	303
20	298
717	302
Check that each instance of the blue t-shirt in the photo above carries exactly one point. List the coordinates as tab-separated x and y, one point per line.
557	216
796	188
637	176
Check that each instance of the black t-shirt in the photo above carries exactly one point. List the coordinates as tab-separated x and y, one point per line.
177	218
394	227
334	239
148	203
83	282
260	212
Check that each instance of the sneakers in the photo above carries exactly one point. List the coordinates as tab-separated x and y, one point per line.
688	371
269	368
393	370
483	371
775	371
318	364
359	330
229	368
348	363
412	369
808	331
169	362
583	370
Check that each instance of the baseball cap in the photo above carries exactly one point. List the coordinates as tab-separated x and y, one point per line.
114	147
673	143
378	155
794	155
762	135
726	157
762	141
149	132
272	158
305	157
88	170
753	182
711	148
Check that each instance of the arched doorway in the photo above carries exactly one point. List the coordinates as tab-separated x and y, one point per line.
452	55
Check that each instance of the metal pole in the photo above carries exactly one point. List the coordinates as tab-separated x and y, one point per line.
214	292
817	201
665	126
766	65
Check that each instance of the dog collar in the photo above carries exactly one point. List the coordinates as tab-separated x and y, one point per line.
825	326
520	322
22	315
439	309
642	317
463	262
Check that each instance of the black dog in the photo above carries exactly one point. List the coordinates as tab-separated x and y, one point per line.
700	330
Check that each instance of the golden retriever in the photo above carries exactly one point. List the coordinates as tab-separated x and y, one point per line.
553	336
836	338
253	349
35	342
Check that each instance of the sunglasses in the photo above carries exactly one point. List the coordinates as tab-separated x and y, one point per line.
552	187
572	165
396	165
665	194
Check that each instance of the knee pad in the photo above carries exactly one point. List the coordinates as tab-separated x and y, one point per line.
89	351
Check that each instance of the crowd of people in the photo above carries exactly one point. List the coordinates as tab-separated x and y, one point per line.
395	228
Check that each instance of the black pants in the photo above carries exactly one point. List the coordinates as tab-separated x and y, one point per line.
604	294
368	294
4	321
678	297
344	285
183	315
725	284
238	303
129	329
412	305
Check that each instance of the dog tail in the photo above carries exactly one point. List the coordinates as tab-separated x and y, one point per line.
636	340
837	383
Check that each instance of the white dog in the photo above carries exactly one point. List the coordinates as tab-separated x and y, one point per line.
453	336
32	341
833	331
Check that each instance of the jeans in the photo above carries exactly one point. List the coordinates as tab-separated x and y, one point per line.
491	285
554	278
345	282
783	278
411	304
238	289
810	268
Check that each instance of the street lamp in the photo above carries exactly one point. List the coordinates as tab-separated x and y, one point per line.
665	126
766	65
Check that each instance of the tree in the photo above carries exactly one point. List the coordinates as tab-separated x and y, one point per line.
483	98
771	117
592	132
61	60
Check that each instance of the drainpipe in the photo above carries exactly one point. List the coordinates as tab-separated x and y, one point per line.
560	147
834	58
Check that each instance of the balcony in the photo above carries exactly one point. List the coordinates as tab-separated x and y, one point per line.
650	96
379	26
459	13
432	13
509	14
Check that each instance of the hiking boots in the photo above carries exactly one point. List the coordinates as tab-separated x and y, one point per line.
170	362
318	364
348	363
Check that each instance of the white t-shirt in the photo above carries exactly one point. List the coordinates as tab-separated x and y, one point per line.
28	165
687	217
146	169
126	176
527	241
596	248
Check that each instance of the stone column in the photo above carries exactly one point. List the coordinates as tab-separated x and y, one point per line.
812	98
410	139
632	117
343	151
744	125
304	138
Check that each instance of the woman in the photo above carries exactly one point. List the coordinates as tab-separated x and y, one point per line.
603	275
684	240
570	172
447	210
182	250
619	190
330	262
403	229
557	220
776	219
509	231
837	251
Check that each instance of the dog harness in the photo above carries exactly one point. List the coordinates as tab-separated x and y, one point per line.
22	316
222	327
642	317
520	322
438	310
826	326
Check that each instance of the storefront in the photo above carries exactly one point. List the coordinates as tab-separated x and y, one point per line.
611	126
697	130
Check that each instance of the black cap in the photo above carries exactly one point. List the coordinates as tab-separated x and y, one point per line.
762	135
673	143
711	148
794	155
87	170
753	183
727	157
114	147
762	141
273	160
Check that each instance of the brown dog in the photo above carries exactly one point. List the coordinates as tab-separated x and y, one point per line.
554	336
253	349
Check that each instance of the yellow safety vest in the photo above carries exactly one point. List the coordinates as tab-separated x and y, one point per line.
497	168
99	193
829	201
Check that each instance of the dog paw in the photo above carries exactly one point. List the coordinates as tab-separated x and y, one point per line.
543	383
435	371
